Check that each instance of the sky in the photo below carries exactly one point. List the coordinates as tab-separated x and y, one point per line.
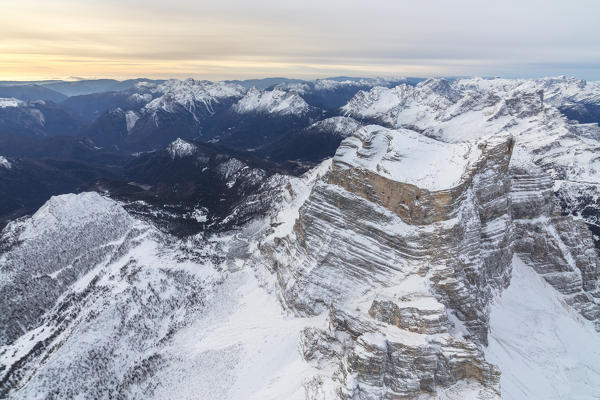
235	39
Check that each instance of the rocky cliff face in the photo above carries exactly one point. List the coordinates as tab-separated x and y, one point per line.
400	270
406	267
559	248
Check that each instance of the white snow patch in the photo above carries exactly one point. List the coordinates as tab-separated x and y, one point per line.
229	168
544	349
140	98
5	163
199	214
130	119
10	102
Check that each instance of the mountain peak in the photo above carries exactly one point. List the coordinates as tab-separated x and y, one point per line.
276	101
179	148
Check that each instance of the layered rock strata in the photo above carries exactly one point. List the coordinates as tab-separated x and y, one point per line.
400	269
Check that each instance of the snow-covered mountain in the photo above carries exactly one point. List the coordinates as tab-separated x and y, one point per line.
35	118
430	98
468	109
156	113
446	251
341	126
333	93
274	101
192	95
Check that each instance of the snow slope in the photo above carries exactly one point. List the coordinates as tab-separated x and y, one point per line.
152	318
244	348
544	349
130	119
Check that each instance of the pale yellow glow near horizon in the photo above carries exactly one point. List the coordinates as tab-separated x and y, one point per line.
42	67
236	39
90	39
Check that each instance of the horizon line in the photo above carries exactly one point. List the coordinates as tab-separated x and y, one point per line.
242	79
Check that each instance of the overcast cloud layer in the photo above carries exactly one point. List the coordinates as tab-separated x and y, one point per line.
305	39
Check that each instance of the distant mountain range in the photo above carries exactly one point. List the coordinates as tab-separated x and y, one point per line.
101	125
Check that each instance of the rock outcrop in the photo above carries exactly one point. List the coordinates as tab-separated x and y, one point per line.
400	269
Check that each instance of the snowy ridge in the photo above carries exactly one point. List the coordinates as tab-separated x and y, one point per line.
329	84
489	102
377	102
157	310
341	126
333	84
557	91
191	94
471	109
274	101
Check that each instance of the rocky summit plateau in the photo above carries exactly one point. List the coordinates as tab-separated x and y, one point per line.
330	239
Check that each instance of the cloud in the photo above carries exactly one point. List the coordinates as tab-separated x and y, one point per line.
240	39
